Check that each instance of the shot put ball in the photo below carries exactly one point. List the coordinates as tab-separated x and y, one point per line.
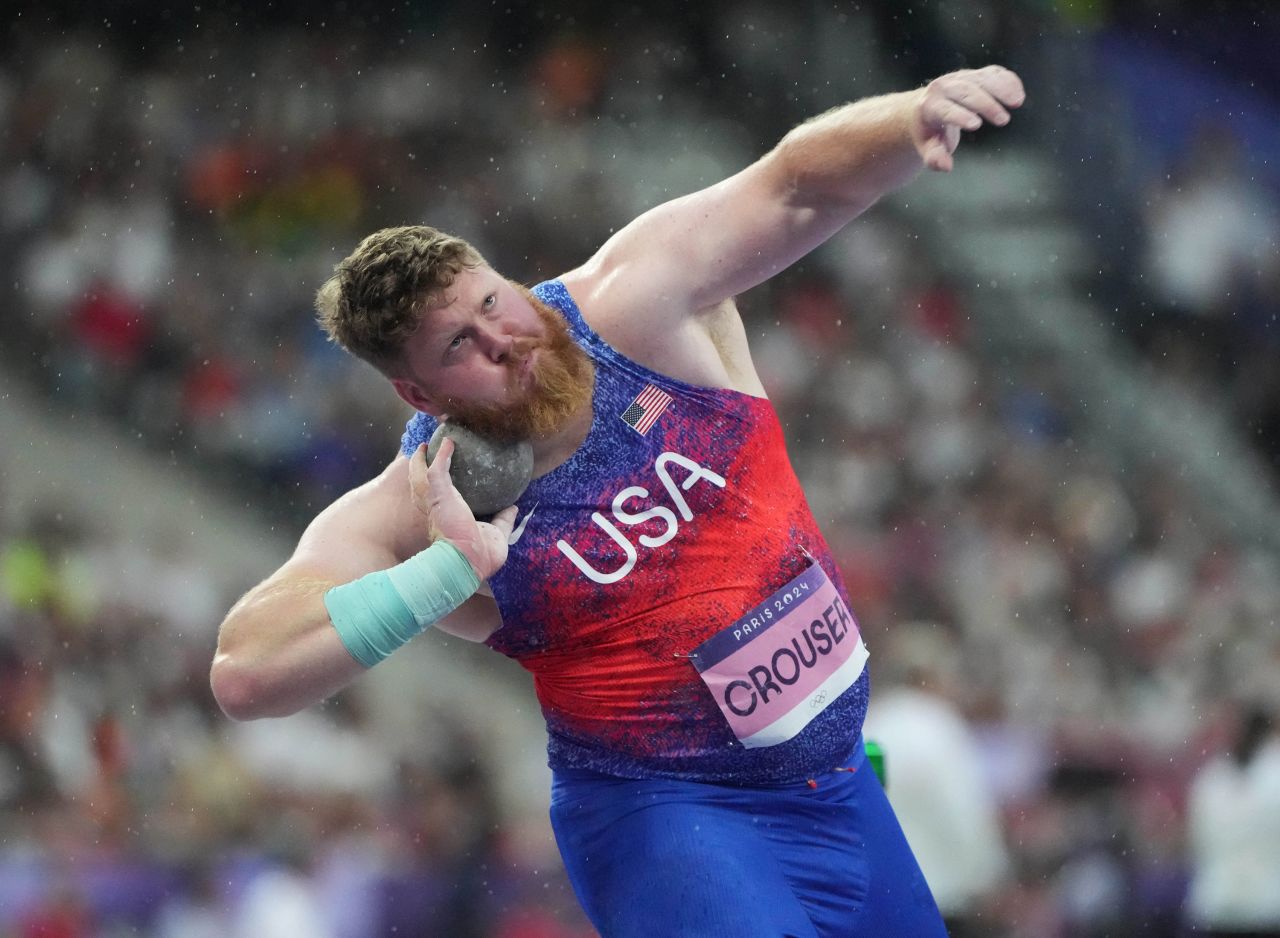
489	474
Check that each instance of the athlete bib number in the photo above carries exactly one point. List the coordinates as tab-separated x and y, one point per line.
784	662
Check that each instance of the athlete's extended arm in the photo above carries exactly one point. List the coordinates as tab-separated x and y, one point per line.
278	649
695	251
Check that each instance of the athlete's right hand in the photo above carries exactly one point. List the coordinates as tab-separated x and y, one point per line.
483	543
961	100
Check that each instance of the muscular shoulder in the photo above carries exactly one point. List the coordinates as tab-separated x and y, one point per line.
706	347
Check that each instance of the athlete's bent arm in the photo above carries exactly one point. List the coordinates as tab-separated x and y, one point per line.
694	252
278	649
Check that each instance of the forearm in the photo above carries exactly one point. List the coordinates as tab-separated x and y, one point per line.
699	250
852	155
278	651
298	637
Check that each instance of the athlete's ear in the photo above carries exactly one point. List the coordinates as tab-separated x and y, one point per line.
415	397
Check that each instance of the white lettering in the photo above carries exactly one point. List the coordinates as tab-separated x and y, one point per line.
666	514
696	472
625	516
591	571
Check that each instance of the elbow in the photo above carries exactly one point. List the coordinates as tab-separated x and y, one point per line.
236	688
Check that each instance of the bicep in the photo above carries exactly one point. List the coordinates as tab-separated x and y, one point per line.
698	250
361	532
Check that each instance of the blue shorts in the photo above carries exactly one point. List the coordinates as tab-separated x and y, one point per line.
658	858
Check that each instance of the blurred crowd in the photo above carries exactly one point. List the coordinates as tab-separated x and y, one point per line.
173	196
129	805
1212	273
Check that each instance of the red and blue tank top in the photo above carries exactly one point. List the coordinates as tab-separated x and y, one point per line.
669	590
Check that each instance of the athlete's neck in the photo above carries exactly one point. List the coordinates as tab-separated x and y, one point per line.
554	449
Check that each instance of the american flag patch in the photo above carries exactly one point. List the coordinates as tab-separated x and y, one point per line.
644	411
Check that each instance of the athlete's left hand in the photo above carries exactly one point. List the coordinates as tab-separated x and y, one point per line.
962	100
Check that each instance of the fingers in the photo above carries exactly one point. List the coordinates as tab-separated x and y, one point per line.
936	151
938	157
438	473
966	99
419	485
431	484
983	104
440	465
960	103
1004	85
505	521
962	100
940	110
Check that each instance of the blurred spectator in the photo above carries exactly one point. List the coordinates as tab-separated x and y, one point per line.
937	781
281	900
1233	821
195	910
1212	229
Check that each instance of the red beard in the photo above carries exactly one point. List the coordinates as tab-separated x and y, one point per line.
562	381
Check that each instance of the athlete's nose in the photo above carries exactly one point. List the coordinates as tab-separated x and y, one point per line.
499	344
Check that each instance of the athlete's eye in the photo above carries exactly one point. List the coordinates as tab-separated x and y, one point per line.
490	300
456	342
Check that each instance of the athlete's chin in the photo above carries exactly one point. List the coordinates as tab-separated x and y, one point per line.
529	415
547	388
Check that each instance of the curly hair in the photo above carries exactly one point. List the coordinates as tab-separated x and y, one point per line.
376	297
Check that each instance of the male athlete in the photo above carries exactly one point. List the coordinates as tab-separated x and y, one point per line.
701	674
